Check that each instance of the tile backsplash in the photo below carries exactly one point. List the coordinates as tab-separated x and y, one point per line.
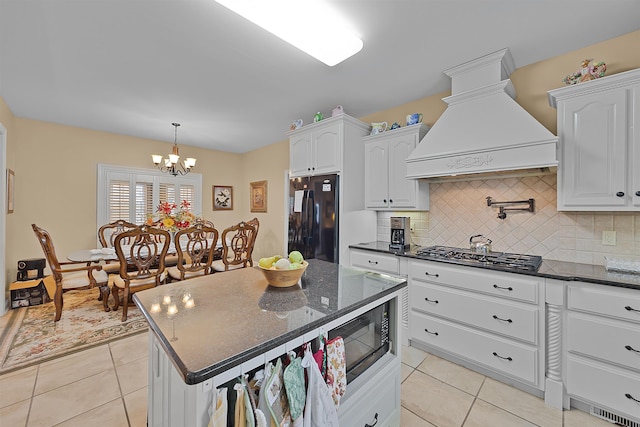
459	210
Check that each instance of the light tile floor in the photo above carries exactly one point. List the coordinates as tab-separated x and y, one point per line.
107	386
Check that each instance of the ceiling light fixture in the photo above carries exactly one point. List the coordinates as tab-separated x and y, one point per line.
172	163
311	26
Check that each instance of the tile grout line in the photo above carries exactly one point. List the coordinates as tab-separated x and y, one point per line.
122	401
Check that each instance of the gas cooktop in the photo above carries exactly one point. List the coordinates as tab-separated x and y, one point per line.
497	260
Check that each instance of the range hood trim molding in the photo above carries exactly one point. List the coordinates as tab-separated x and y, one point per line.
483	130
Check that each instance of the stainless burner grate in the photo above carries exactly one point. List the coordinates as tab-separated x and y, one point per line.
502	260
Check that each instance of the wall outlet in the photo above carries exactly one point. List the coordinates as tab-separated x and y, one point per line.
609	238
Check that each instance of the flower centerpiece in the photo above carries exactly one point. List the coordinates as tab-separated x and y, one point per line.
172	217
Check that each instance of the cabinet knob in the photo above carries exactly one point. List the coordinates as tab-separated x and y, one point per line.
620	194
390	201
384	200
308	169
638	193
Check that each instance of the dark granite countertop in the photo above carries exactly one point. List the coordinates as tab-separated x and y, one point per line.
560	270
236	316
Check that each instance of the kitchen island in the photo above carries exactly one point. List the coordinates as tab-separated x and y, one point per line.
210	330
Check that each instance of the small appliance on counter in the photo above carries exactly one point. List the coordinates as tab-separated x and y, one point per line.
400	233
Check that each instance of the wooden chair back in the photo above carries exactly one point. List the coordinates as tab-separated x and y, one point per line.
195	247
49	250
108	232
256	224
236	253
141	252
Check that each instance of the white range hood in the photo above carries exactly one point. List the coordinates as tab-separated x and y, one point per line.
483	130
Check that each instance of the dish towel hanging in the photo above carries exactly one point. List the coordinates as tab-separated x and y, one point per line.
320	411
336	369
218	408
295	388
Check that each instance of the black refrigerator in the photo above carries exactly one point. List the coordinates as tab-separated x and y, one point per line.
313	217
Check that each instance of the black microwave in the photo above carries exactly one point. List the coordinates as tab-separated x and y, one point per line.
366	339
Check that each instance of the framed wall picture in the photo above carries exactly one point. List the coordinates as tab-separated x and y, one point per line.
10	190
258	196
222	198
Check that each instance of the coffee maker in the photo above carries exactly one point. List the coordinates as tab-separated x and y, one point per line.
400	233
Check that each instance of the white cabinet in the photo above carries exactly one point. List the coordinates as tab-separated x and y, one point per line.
320	148
494	321
386	187
602	339
375	261
599	144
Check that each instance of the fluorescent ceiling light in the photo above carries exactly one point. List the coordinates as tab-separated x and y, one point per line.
310	25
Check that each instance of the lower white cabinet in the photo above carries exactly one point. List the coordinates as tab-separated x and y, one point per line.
492	320
378	402
602	357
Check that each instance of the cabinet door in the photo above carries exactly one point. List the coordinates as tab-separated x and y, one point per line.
594	152
300	154
327	150
376	174
402	191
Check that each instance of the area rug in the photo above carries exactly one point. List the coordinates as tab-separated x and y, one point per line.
31	336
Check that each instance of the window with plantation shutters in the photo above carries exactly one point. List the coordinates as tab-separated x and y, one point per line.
133	194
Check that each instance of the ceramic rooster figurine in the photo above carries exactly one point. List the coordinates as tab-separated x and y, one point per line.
589	71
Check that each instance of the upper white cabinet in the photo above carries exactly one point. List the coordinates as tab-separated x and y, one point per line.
599	144
320	148
385	185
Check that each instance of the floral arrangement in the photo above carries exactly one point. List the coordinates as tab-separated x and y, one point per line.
589	71
173	217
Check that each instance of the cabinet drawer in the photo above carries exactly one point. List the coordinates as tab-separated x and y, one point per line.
378	402
609	340
515	360
604	386
619	303
375	262
496	315
507	285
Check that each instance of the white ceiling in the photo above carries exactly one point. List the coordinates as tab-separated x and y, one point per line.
134	66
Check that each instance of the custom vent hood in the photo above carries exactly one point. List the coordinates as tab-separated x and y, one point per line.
483	130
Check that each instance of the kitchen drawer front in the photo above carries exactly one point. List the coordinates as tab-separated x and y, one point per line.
619	303
507	285
379	402
604	386
609	340
479	347
375	262
496	315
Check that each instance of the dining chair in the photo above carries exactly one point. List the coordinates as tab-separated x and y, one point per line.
67	278
141	253
256	224
236	247
195	247
107	235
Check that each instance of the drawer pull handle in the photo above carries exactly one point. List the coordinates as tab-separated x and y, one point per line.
501	287
628	347
620	194
429	332
629	308
426	273
628	396
372	262
431	300
502	357
375	417
504	320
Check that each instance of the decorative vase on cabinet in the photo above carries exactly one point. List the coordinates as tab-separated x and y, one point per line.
386	187
599	158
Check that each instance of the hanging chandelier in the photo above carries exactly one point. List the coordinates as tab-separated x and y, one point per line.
172	163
